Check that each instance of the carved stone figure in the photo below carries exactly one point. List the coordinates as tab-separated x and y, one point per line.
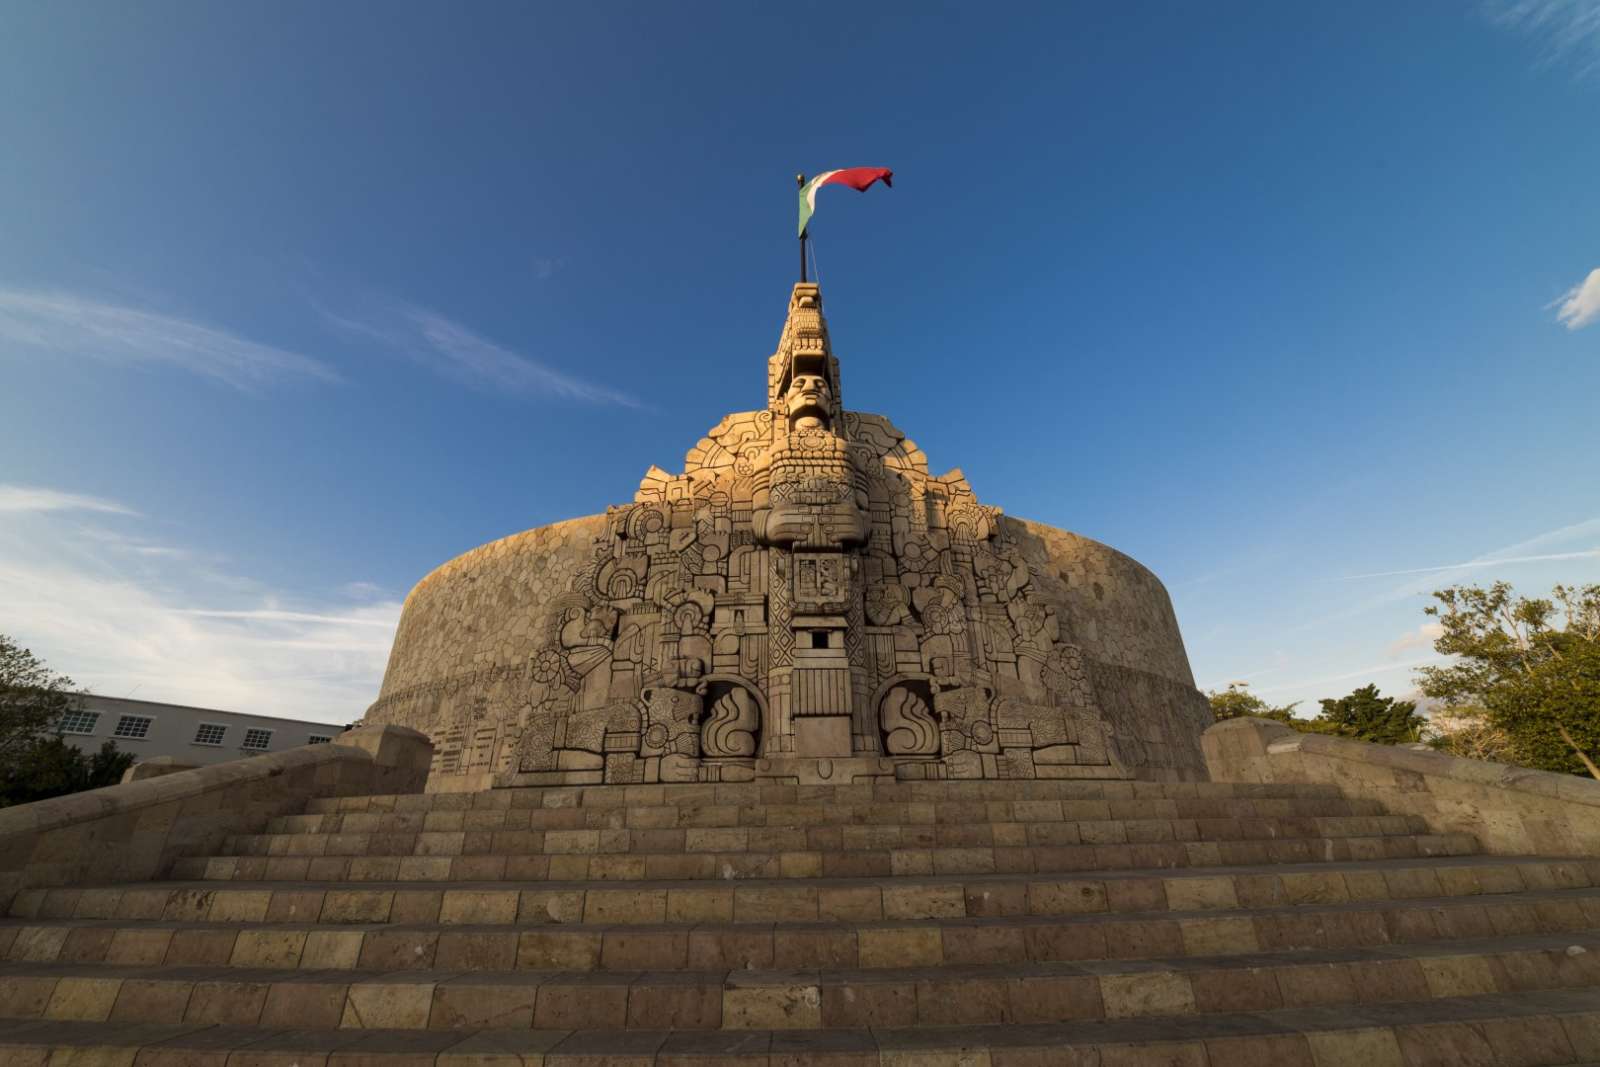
806	602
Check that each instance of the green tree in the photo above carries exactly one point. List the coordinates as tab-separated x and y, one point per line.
51	768
1237	700
1532	665
35	763
32	698
1365	716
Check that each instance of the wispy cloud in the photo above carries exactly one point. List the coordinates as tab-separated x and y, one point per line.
1477	564
1422	637
66	324
18	498
1567	30
275	615
1377	623
1580	305
1367	673
175	626
457	352
1415	581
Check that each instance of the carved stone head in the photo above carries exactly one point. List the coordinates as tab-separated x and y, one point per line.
808	401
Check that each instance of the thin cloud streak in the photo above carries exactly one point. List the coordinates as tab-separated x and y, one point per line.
66	324
1417	586
1580	305
21	498
1415	583
1383	668
118	621
268	615
1567	30
451	349
1477	564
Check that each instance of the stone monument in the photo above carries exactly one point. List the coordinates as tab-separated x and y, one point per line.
805	602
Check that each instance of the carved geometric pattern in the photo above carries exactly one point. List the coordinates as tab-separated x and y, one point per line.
908	724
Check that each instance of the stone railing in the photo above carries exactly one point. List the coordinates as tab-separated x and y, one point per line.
155	767
134	831
1511	810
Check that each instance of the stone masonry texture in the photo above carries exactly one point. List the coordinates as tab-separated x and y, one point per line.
885	923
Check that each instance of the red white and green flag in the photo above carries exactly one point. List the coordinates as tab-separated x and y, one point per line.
858	178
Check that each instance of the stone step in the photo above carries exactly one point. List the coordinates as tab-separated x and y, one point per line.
1547	1027
738	794
670	816
818	863
799	998
860	945
816	839
1227	888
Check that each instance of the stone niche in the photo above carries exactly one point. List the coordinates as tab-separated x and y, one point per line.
803	603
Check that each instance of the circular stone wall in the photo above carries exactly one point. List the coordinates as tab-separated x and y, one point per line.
471	630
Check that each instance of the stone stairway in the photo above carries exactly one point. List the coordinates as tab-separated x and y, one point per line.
1116	924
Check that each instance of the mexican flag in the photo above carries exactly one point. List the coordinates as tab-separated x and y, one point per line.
857	178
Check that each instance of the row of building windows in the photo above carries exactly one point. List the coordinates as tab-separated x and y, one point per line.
137	727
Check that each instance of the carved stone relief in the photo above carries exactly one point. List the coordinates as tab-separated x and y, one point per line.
805	591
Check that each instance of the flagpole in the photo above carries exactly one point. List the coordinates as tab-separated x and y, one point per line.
800	182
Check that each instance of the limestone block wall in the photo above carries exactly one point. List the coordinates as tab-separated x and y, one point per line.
135	831
461	658
1118	610
1120	615
1513	811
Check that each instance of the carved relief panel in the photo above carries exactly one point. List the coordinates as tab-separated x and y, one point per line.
805	590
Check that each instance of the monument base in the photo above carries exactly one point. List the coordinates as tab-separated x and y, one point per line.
778	770
824	770
825	735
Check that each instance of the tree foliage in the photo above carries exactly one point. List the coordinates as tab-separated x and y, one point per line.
32	698
1366	716
1532	666
1237	700
35	763
52	768
1465	730
1363	715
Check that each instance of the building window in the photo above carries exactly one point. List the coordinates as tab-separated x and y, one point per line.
257	739
319	739
133	727
210	733
78	722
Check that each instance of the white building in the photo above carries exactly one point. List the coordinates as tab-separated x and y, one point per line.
189	735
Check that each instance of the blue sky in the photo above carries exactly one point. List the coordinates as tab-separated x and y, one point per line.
1291	302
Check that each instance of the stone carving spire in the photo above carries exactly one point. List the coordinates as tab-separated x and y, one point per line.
803	351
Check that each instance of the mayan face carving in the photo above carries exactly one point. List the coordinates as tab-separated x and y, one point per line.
808	402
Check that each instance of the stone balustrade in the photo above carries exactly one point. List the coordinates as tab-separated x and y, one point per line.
138	830
1511	810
